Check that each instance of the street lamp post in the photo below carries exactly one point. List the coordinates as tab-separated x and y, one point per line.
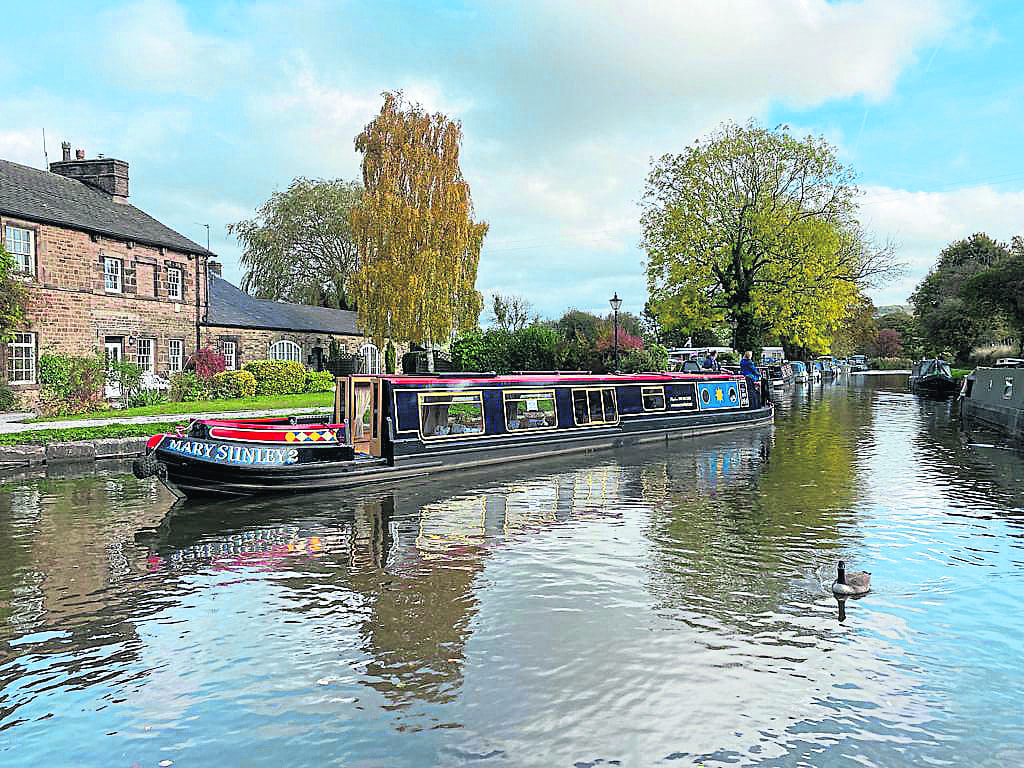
616	302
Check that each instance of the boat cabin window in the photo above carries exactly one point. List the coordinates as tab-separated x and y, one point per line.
654	398
1008	389
530	410
451	414
594	406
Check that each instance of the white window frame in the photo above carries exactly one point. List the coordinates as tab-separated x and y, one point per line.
113	279
230	351
151	343
20	242
285	349
175	360
176	288
25	343
371	356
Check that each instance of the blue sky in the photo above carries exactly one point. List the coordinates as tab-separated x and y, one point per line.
217	104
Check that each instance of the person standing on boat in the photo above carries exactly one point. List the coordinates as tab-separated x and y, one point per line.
748	369
711	363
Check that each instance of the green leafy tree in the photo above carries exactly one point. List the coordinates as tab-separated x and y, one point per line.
906	326
951	325
13	297
759	229
577	324
299	247
419	246
1000	288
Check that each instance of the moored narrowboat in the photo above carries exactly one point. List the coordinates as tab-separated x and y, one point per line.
993	397
932	376
394	427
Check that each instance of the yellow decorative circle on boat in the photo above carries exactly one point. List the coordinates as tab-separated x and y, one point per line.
718	394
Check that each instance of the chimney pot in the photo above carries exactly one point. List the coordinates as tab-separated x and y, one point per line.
65	151
79	154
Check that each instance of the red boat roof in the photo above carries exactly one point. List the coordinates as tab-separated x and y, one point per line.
558	378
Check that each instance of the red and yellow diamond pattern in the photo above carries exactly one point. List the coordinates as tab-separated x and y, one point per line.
311	436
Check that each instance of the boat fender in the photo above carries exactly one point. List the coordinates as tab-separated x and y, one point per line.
144	467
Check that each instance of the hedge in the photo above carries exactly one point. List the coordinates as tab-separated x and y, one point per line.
229	385
319	381
277	377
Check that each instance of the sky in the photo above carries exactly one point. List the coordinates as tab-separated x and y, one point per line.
215	105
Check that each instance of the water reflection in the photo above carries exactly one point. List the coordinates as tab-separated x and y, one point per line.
648	606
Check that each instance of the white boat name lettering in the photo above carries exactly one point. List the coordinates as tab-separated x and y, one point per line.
233	454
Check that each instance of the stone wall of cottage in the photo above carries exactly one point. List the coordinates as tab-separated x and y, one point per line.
253	344
71	312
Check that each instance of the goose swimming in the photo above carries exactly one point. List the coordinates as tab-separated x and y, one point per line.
852	583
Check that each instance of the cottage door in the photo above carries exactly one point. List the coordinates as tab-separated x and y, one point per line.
114	349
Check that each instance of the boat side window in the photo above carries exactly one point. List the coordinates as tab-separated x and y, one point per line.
451	414
1008	389
530	410
594	406
654	398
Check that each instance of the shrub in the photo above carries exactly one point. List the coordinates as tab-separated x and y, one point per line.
652	358
70	385
8	400
890	364
208	363
125	377
534	348
277	377
187	387
233	384
319	381
390	358
627	342
988	355
145	397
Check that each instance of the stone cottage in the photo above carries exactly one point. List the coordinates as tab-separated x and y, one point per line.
103	276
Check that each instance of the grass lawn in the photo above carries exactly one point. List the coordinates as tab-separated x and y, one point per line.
267	402
959	373
70	434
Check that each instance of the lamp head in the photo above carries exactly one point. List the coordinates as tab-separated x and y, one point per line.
615	301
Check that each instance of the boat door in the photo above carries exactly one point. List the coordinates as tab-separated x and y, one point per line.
364	413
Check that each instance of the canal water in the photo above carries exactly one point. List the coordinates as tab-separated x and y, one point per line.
665	606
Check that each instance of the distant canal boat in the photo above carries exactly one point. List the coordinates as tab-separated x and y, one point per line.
800	375
827	367
781	374
932	376
393	427
994	397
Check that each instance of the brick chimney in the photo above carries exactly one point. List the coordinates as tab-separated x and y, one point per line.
105	174
65	151
213	268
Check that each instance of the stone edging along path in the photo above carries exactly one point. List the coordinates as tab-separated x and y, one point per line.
18	456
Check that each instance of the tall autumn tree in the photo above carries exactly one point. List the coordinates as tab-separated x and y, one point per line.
419	246
759	229
299	247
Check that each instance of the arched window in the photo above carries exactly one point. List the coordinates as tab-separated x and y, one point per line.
286	350
371	358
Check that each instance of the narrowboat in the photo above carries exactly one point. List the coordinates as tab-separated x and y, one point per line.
827	367
800	375
994	398
395	427
932	377
781	374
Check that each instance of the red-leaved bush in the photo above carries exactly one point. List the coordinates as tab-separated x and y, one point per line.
626	342
208	363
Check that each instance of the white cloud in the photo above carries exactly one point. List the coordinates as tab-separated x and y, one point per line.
923	223
151	45
22	147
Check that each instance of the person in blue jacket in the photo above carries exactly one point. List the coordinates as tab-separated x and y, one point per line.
748	369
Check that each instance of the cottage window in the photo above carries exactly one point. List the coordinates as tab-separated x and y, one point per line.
21	359
371	356
175	283
228	350
286	350
144	354
21	244
111	274
175	354
530	410
458	414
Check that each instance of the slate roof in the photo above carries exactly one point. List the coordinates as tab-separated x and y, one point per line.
49	198
230	306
